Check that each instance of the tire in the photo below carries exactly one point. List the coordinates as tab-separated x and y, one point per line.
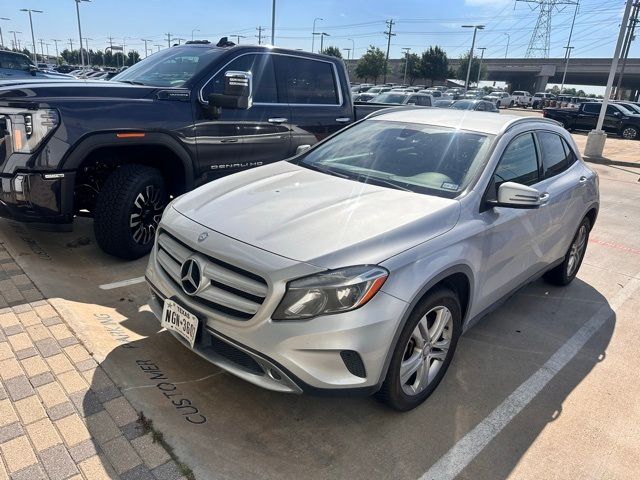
511	104
128	211
629	132
407	393
498	104
564	273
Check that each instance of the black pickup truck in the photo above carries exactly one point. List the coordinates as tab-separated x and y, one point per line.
617	119
117	151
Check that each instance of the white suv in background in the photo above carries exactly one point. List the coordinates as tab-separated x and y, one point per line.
522	98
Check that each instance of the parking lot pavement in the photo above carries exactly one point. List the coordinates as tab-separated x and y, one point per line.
61	415
544	387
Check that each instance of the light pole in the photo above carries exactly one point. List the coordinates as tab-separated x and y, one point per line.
567	54
348	50
54	40
273	22
313	32
158	46
80	30
353	47
238	37
193	31
406	63
480	66
15	39
506	51
322	35
1	38
473	44
146	54
86	41
596	138
33	37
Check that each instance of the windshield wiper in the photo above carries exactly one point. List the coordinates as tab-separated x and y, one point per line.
382	182
131	82
326	170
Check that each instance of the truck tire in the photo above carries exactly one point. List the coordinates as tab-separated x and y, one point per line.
128	210
511	104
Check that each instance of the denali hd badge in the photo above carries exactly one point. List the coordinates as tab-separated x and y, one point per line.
202	237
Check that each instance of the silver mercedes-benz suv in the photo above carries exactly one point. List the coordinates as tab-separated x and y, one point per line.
355	266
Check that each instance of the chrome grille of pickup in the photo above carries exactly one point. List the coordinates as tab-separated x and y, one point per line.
230	291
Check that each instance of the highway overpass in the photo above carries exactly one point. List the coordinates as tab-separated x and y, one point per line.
533	74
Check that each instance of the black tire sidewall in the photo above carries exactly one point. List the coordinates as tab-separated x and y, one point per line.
392	390
114	207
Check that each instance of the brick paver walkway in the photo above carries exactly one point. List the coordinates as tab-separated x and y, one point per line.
61	416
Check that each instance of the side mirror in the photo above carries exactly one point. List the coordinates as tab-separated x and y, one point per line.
33	69
516	195
302	148
238	91
616	114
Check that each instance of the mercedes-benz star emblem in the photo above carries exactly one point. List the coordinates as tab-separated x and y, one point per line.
191	276
202	237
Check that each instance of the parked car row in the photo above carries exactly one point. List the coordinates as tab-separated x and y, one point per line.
621	118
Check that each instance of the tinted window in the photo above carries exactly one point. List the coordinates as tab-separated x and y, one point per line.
424	101
14	62
308	81
554	155
571	155
592	108
264	78
613	109
519	162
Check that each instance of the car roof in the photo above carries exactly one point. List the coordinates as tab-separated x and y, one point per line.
459	119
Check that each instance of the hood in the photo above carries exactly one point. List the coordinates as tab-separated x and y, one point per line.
30	90
317	218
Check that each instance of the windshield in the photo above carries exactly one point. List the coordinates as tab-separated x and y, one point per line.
425	159
172	67
390	98
627	109
463	105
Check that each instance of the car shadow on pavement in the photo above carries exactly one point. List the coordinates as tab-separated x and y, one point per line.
219	423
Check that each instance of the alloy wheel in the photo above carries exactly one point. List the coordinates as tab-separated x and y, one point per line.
577	250
145	214
629	133
426	350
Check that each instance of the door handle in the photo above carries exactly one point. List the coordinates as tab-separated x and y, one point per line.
229	140
277	120
583	179
544	198
343	119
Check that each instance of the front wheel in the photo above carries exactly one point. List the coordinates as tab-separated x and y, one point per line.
424	351
128	211
564	273
630	133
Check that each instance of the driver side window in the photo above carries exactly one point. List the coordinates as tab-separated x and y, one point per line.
264	78
519	162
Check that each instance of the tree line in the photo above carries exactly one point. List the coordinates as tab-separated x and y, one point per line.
432	64
92	57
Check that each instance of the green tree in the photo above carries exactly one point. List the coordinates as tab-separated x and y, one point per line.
475	64
371	64
434	64
412	67
332	51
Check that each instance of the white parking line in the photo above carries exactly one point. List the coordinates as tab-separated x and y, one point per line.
469	446
122	283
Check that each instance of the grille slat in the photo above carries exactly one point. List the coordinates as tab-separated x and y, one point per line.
232	291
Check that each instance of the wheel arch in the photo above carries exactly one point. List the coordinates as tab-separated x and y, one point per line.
458	278
171	158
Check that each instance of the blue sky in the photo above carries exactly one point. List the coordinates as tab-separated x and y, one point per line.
419	23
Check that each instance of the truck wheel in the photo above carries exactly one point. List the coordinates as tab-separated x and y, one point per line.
630	132
128	211
424	351
511	104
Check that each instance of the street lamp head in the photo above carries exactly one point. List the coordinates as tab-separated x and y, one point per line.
4	18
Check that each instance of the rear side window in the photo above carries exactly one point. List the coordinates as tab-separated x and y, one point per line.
519	162
264	77
14	62
308	82
592	108
554	154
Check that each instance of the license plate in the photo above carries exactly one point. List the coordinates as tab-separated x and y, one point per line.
179	320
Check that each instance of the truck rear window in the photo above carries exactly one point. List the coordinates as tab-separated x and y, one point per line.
308	82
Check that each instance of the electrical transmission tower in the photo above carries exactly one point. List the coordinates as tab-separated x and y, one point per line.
541	37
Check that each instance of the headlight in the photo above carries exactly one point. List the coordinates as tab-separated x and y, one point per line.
29	128
330	292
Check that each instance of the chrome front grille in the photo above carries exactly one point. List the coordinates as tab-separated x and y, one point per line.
229	291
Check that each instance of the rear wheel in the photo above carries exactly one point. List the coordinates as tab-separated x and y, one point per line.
424	351
564	273
128	211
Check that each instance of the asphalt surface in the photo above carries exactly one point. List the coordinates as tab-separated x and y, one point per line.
544	387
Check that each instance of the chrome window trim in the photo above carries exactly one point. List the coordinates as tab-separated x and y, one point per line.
333	66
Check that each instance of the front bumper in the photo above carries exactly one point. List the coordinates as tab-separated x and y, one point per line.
44	199
333	354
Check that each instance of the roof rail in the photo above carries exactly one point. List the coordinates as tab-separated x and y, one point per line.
521	120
